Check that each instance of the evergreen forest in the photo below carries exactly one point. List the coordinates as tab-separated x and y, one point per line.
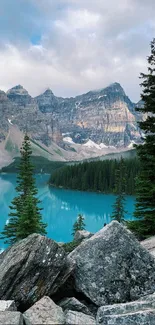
98	176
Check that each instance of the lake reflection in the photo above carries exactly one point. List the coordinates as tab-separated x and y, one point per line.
61	207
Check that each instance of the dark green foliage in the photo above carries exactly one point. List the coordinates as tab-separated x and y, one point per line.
144	226
69	247
98	176
30	219
120	188
25	216
41	165
118	208
79	224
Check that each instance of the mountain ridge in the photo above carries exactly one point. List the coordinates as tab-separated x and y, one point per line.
105	118
48	89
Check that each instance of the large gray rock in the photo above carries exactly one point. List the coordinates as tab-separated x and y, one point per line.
112	267
146	317
138	312
11	318
150	298
32	268
76	318
74	304
149	244
117	309
7	305
82	234
45	311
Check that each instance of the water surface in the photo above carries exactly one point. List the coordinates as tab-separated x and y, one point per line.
61	207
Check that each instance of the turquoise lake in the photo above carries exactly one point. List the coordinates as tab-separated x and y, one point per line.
61	207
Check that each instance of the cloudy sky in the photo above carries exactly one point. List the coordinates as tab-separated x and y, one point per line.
73	46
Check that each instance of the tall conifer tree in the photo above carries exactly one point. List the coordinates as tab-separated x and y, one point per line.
144	226
25	216
79	224
120	189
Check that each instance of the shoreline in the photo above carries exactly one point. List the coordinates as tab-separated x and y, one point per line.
86	191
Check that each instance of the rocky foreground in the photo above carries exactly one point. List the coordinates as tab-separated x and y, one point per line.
109	279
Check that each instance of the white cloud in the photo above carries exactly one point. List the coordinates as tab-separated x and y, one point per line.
32	71
83	45
78	19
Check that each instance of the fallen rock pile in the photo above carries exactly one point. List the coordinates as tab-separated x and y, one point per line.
110	274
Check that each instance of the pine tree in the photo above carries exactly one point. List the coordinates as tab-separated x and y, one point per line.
120	188
79	224
25	216
144	226
96	176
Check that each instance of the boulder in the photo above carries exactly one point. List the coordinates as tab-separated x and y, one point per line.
138	312
146	317
7	305
45	311
129	307
11	318
150	298
76	318
34	267
82	234
149	244
74	304
112	267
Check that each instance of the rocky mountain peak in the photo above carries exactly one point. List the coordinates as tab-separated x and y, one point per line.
18	90
47	101
48	92
104	118
19	95
3	96
115	88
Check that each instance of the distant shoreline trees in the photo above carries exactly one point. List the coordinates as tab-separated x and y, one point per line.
25	217
98	176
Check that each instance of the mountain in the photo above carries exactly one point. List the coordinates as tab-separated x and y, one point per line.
89	125
103	116
19	95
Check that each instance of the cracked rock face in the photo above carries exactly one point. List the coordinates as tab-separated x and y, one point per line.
19	95
8	305
34	267
82	234
74	317
11	318
144	317
75	305
104	116
44	311
112	267
137	312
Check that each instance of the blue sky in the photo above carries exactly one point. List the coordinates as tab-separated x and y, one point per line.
73	46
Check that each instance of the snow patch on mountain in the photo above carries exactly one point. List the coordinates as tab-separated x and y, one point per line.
68	140
102	96
67	133
10	121
92	144
103	146
131	145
